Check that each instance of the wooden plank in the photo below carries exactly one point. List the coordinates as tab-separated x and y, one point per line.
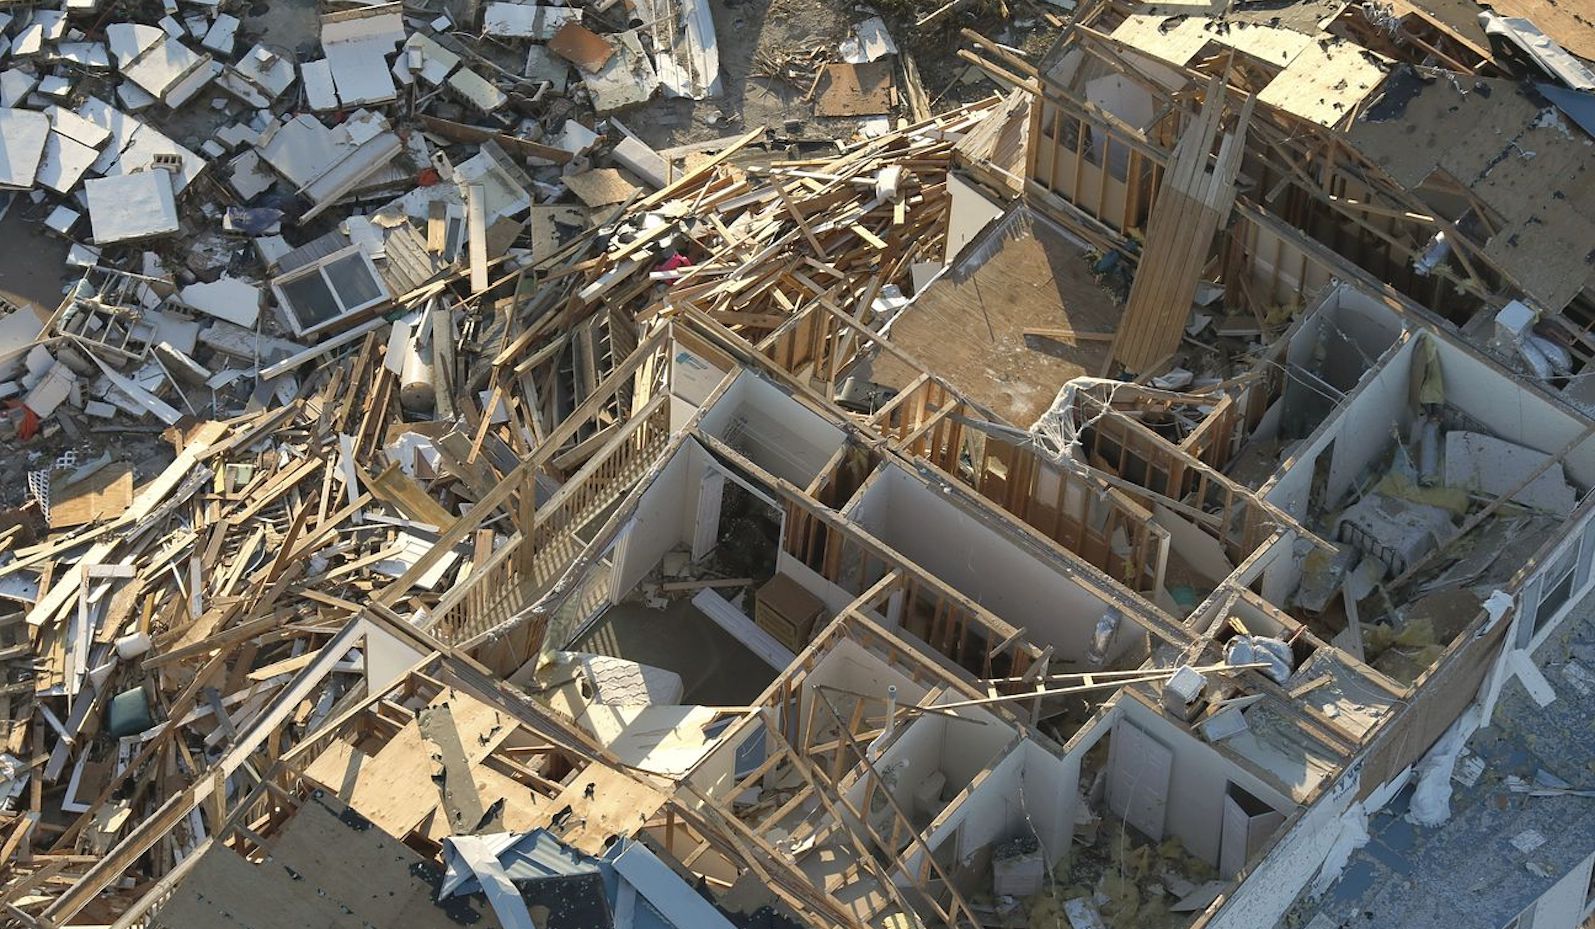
395	488
1067	335
1189	207
476	235
461	132
102	495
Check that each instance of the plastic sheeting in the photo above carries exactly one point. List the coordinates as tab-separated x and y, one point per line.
1058	430
1250	649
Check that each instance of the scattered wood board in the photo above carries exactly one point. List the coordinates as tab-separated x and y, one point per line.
608	803
102	495
393	788
601	187
855	90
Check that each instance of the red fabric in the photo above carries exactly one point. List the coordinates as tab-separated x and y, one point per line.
29	426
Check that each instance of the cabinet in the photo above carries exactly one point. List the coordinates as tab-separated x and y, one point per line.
786	610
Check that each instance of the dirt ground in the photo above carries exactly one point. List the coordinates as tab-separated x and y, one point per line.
756	36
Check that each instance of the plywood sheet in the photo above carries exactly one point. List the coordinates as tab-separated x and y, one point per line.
1175	41
327	868
600	187
524	809
1551	255
102	495
1411	128
855	90
969	326
605	803
394	788
1278	47
1326	81
1567	21
1534	174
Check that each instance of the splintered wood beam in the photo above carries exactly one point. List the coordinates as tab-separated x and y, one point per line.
1067	335
1149	677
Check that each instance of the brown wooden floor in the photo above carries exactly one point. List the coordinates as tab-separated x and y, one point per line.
969	326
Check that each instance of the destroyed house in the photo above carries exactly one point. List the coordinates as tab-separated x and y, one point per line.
1155	496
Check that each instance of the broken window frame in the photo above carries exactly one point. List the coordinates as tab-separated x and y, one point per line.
1556	591
319	267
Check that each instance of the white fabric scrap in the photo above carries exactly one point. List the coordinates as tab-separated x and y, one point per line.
1496	606
1431	799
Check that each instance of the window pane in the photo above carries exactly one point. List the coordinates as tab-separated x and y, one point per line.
353	281
310	300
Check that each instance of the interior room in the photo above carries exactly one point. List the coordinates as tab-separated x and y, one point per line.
1006	574
931	759
1161	820
680	586
1335	346
1009	835
772	430
976	325
1431	441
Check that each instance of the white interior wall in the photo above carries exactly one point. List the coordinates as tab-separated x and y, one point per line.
715	772
993	811
1125	99
698	462
914	755
1029	788
1200	776
968	746
970	555
1202	553
1051	789
850	666
666	514
1511	413
692	379
775	431
1335	348
1270	889
1371	420
959	748
1361	431
659	524
1363	328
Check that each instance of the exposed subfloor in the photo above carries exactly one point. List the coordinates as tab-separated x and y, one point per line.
969	326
